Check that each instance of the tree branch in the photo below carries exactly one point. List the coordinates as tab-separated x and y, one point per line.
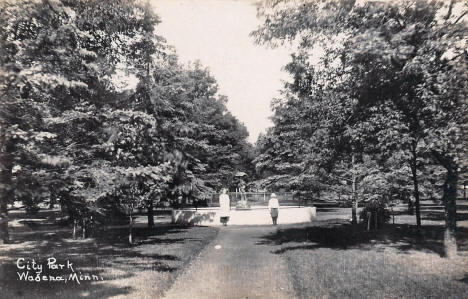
461	16
449	12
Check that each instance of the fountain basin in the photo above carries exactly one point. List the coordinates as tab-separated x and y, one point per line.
254	216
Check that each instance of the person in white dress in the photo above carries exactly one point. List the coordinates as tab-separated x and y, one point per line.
273	206
224	207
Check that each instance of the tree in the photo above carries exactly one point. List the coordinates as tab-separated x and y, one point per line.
37	77
403	64
208	143
135	186
58	60
68	126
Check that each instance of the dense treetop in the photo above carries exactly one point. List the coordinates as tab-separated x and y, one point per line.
71	134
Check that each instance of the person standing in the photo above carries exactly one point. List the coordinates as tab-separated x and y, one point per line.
273	206
224	207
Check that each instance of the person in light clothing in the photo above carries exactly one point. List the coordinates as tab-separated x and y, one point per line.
273	206
224	207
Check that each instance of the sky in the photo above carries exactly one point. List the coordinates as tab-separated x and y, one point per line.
216	32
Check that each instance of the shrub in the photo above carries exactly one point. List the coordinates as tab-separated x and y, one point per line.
375	214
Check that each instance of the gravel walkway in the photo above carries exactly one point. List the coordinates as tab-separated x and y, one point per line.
242	267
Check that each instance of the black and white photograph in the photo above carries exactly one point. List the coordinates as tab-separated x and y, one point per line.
238	149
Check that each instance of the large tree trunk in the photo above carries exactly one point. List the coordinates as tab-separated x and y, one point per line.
450	203
6	166
5	194
354	197
414	172
150	215
4	235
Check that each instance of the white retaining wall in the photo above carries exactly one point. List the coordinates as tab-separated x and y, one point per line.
254	216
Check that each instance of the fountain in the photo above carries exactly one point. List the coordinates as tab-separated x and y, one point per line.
244	212
243	203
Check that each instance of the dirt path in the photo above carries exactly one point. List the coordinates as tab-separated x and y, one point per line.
242	268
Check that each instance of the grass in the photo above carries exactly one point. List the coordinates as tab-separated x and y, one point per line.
144	270
355	273
326	261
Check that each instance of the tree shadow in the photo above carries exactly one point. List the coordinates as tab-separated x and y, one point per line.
106	255
440	216
338	234
465	279
327	209
115	235
75	287
194	217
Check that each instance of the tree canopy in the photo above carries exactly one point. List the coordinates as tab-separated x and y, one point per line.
74	132
384	81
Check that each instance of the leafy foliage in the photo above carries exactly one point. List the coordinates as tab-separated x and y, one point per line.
378	80
72	132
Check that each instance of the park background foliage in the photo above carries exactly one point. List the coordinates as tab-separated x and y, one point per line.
376	109
74	132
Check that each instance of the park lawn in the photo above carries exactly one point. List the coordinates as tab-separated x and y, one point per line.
144	270
324	262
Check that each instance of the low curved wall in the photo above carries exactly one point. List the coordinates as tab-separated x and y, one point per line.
254	216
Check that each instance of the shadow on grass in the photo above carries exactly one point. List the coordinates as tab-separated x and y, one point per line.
108	243
439	216
338	234
108	251
194	217
12	287
329	210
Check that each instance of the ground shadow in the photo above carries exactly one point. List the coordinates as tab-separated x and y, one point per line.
13	287
440	216
108	249
338	234
327	209
194	217
465	279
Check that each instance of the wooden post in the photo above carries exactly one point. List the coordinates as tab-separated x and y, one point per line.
375	219
414	172
368	220
130	229
93	231
74	229
464	190
130	224
393	216
150	214
84	228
